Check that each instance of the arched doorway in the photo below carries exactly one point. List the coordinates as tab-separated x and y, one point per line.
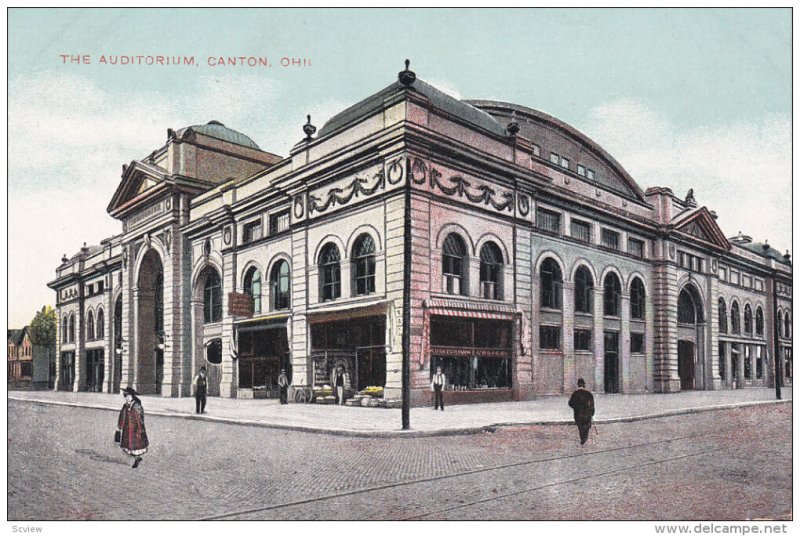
207	324
691	367
150	325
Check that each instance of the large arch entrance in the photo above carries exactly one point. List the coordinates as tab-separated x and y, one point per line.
150	325
691	323
207	327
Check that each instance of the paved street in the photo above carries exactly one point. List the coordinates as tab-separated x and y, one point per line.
730	464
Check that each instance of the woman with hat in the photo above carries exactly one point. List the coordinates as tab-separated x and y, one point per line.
133	437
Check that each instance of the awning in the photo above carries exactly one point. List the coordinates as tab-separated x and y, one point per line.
347	312
466	309
276	321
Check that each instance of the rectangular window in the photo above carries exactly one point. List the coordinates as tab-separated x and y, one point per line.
637	343
723	274
690	262
279	222
580	230
564	163
581	170
636	247
583	339
549	338
548	221
590	174
553	158
100	286
747	281
89	290
759	285
735	278
610	239
536	150
251	231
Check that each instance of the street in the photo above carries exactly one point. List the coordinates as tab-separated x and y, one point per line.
728	465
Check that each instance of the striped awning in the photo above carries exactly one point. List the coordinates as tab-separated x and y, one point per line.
466	309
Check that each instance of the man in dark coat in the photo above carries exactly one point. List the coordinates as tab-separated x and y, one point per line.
283	383
582	404
438	383
338	384
133	437
200	389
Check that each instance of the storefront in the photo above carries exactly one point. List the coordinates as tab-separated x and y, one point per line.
263	350
94	370
67	370
357	344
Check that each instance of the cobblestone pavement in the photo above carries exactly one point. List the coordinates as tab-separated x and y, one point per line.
731	464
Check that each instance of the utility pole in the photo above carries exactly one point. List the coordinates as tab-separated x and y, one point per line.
776	343
406	374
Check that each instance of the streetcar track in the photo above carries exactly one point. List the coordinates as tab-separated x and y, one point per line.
382	487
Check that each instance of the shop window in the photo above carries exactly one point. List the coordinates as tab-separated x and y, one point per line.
330	273
748	372
637	299
722	365
212	297
279	286
89	326
736	326
550	282
454	257
748	319
580	230
610	239
584	290
491	271
759	362
612	295
251	231
547	220
759	322
637	343
252	286
549	337
722	315
101	324
279	222
364	265
583	340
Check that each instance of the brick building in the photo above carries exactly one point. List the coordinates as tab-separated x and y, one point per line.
535	259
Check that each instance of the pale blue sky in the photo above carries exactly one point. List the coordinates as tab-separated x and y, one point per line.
682	98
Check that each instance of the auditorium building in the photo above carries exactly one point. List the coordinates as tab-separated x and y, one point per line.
527	255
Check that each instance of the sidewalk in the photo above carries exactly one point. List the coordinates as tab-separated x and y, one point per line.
379	422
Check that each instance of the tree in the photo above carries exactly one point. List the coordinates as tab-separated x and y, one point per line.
42	329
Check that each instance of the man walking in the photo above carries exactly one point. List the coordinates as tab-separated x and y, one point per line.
283	383
582	404
200	384
338	385
437	385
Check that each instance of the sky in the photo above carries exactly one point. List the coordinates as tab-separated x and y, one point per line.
683	98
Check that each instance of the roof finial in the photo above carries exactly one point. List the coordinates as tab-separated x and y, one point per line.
309	129
408	76
513	126
690	200
787	256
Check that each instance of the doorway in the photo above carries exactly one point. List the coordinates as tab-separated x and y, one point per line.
94	371
686	364
611	362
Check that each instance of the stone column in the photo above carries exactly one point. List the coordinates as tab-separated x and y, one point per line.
228	385
520	291
742	357
59	338
303	283
567	334
108	336
625	344
80	349
598	332
728	369
665	343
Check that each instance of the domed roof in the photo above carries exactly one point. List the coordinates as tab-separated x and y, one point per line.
215	129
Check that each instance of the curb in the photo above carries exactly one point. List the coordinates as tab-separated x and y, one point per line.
488	428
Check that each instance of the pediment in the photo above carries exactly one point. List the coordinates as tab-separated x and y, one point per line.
138	179
702	226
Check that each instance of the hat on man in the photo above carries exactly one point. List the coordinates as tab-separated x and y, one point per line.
581	382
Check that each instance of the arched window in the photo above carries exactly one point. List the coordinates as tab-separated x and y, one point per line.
363	259
64	330
612	295
550	282
72	328
279	284
735	319
101	324
89	326
212	297
722	316
759	321
491	271
780	324
637	299
454	256
686	308
330	273
787	329
252	286
748	319
584	290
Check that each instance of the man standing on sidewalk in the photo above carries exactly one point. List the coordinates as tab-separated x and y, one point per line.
283	383
437	385
582	404
338	385
200	384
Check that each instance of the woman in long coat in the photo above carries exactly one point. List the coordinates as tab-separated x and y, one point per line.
133	437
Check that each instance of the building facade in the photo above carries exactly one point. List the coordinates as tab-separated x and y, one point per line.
528	256
29	365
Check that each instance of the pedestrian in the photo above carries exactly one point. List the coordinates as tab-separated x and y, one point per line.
582	404
133	437
200	384
283	383
338	385
437	386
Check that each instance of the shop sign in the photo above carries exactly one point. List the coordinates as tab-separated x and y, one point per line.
452	351
240	304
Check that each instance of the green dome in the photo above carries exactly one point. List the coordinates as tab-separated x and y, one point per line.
215	129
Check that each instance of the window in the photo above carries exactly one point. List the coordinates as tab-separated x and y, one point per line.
722	316
279	285
590	174
787	329
101	325
612	295
252	286
747	281
212	297
100	286
454	255
549	337
686	308
759	322
748	319
735	319
554	158
581	170
723	274
691	262
636	247
721	368
536	150
581	230
735	278
72	328
610	239
637	343
747	367
780	324
279	222
637	299
89	326
564	163
330	274
547	220
584	290
759	285
251	231
550	282
364	265
64	331
491	271
89	289
583	339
